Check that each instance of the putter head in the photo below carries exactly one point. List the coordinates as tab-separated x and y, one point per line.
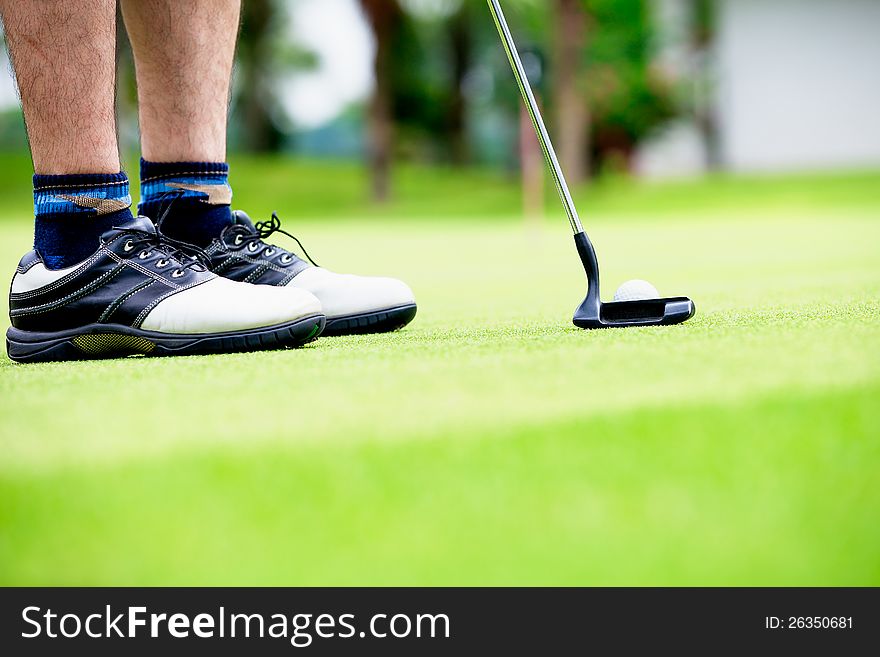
593	314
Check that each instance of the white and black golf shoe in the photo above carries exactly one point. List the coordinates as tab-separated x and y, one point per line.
352	304
142	293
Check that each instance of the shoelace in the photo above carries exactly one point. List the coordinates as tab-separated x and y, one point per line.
188	255
265	230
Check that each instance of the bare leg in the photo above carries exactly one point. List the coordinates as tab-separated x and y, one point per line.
183	51
64	56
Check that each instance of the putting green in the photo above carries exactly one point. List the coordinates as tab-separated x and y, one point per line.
491	442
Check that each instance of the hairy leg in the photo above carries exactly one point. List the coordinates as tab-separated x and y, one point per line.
64	56
183	51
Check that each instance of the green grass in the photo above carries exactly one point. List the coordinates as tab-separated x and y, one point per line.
491	442
318	191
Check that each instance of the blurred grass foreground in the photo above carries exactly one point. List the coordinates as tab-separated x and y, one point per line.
491	442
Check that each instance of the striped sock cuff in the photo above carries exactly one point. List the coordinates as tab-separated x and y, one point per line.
92	194
203	181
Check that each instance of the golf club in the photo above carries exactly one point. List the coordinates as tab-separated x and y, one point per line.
592	313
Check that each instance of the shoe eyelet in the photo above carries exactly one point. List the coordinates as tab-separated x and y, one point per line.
238	240
162	264
177	273
286	259
128	246
269	252
253	247
145	254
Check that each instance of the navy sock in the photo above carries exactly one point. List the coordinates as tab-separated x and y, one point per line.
196	196
72	211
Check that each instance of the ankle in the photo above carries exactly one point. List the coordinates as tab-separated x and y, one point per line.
191	199
72	211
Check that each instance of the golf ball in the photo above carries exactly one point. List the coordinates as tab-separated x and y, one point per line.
636	291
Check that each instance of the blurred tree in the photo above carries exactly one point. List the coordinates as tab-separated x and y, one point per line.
432	57
430	54
626	96
417	109
461	52
419	86
385	18
605	95
702	38
569	88
259	131
265	54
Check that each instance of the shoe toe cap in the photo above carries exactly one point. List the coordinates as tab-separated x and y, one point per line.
346	294
221	305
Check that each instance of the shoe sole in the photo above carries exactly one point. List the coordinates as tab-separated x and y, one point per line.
97	341
381	321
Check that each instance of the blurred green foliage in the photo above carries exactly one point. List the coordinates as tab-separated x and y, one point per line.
627	98
450	93
265	55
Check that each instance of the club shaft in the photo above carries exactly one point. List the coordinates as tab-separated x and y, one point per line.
528	95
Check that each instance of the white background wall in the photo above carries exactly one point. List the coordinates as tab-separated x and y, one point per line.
799	83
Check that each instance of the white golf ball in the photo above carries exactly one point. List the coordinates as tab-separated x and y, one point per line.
636	291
